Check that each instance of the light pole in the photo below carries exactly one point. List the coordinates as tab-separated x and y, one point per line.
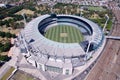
81	11
51	7
106	22
88	47
24	19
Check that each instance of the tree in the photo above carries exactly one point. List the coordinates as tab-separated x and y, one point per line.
2	34
7	25
21	25
16	26
2	49
35	15
13	25
4	58
13	35
7	46
8	35
1	44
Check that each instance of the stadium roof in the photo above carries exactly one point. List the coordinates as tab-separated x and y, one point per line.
56	49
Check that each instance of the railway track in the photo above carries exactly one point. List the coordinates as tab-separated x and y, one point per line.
108	65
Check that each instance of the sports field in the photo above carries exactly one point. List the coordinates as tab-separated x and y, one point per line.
64	34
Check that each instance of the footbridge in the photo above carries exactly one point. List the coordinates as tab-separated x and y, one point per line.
113	37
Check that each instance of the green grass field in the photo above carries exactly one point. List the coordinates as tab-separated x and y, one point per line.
95	8
20	75
64	34
8	73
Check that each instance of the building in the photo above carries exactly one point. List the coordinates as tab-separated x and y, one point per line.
2	5
54	56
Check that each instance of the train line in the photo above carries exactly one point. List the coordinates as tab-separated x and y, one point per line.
108	65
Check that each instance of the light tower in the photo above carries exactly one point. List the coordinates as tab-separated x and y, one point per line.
87	51
81	11
24	18
105	22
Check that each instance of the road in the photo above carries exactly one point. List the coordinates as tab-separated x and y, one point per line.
108	65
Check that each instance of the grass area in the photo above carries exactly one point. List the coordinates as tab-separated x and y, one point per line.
109	25
95	8
20	75
26	11
8	73
101	22
64	34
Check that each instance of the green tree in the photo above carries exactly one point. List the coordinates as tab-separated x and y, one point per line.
13	35
1	44
4	58
8	35
21	25
7	46
2	34
7	25
2	49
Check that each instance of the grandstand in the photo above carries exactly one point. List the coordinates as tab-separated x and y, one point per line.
61	57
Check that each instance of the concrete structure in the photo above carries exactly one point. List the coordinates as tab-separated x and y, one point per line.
113	37
55	56
2	5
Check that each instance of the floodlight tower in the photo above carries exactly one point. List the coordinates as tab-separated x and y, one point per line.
105	22
24	18
78	8
36	2
88	47
81	11
51	7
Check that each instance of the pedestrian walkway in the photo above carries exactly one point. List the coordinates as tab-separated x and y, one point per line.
113	37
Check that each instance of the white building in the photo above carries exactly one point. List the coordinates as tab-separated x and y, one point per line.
2	5
59	57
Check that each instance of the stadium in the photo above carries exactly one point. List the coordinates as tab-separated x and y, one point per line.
59	43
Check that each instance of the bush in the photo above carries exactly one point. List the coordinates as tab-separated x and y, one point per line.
7	34
109	25
2	34
5	47
32	8
15	9
4	58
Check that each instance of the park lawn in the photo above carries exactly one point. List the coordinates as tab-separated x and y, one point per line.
95	8
20	75
25	11
109	25
8	73
64	34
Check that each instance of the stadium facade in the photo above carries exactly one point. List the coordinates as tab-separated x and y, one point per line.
54	56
